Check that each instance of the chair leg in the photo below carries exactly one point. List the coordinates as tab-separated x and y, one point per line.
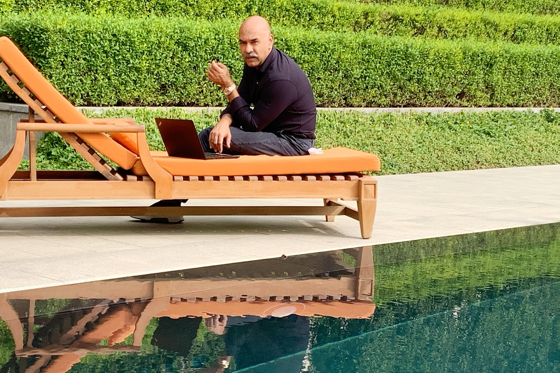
10	162
367	204
329	218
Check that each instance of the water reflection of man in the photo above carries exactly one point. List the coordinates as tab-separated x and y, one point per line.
249	340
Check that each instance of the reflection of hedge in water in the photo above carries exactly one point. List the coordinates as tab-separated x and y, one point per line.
513	333
108	60
6	343
471	243
329	330
206	347
443	274
451	273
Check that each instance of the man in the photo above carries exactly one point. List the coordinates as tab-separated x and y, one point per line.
282	120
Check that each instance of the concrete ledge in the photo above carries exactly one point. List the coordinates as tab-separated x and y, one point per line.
41	252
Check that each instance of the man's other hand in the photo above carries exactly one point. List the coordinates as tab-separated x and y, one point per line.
221	134
219	73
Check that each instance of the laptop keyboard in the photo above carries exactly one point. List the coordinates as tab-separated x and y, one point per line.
219	155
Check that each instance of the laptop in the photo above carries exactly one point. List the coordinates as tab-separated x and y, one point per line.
181	140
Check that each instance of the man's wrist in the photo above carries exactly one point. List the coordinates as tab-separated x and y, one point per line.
228	90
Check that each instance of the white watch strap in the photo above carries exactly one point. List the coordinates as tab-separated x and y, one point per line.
229	90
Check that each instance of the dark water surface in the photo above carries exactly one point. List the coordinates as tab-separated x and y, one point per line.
486	302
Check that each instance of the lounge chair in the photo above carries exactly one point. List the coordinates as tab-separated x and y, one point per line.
142	174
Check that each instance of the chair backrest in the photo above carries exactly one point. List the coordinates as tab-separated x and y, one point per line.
32	87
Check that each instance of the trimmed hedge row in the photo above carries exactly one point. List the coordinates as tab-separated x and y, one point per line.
222	9
397	20
516	6
113	60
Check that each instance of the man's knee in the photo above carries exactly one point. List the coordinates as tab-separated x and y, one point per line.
203	136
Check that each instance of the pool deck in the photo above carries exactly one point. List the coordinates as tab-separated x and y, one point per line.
43	252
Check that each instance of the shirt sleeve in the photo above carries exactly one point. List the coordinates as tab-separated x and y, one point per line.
276	97
243	90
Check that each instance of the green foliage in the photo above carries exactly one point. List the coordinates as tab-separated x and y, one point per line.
112	60
514	333
205	350
518	6
6	5
405	143
327	15
453	273
411	143
7	344
55	153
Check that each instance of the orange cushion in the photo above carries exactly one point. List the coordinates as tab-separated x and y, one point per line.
336	160
59	105
128	140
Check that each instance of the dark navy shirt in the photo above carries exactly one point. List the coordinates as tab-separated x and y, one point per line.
281	95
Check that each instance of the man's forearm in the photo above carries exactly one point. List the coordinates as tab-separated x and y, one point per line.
225	120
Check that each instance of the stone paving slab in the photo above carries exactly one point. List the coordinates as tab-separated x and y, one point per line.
41	252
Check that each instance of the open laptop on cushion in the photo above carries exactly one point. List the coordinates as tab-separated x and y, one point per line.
181	140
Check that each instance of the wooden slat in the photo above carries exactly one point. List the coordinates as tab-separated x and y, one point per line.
32	157
295	178
62	350
309	178
95	160
60	175
166	211
81	128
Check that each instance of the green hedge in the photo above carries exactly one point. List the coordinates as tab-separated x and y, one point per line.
405	143
396	20
517	6
113	60
321	11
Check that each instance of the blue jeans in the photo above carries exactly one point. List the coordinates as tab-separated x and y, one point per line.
255	143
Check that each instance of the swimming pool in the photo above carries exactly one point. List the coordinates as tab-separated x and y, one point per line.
485	302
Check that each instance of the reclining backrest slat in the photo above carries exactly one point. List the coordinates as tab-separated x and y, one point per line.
61	109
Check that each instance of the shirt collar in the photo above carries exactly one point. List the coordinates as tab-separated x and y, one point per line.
269	59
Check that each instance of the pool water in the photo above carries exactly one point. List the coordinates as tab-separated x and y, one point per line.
485	302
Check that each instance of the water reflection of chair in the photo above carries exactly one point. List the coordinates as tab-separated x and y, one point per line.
111	311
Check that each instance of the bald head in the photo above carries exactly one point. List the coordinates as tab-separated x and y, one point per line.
255	40
255	23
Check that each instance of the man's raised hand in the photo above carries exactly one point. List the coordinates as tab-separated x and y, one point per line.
218	73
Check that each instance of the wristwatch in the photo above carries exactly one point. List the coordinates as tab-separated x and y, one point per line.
229	90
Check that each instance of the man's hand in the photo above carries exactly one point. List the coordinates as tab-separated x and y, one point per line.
221	134
218	73
217	324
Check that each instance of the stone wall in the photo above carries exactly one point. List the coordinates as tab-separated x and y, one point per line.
10	114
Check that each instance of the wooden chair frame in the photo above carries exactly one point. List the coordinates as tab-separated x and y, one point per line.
106	183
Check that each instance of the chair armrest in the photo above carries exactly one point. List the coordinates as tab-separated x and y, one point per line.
79	128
